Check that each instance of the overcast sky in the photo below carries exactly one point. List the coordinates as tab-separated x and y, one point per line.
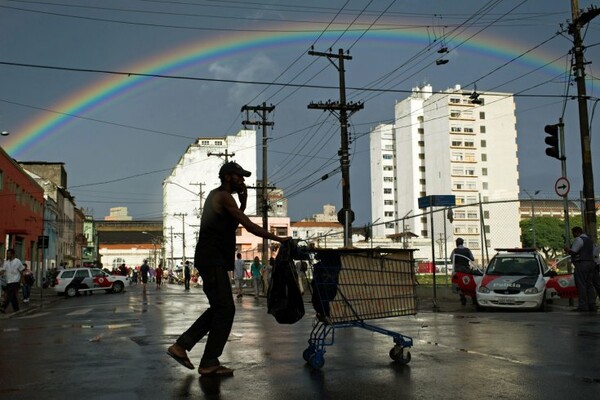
120	135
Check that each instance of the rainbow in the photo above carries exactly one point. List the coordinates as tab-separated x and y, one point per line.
198	52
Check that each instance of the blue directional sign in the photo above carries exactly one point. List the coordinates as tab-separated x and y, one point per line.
437	201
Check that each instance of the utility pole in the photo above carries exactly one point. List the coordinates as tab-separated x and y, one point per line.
171	234
580	20
341	109
263	110
182	215
227	154
200	196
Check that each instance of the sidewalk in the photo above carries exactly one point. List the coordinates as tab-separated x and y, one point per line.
40	298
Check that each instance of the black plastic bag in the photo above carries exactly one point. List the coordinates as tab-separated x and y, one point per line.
284	300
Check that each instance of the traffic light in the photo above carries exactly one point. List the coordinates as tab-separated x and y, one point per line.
552	141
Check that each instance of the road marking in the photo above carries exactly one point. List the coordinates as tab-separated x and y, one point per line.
81	311
34	315
122	309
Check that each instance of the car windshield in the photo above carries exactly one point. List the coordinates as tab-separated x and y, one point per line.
522	266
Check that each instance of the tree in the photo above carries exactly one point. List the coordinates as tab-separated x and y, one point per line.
549	234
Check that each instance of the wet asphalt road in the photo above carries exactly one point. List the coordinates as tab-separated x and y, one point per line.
112	346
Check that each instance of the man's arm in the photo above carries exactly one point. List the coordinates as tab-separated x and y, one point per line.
226	201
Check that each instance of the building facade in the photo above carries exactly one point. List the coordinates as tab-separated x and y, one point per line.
21	213
194	176
447	144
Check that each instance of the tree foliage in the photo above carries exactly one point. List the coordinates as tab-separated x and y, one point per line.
549	234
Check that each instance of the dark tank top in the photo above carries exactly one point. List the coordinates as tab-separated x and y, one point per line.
216	242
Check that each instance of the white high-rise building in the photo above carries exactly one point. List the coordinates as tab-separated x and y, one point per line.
194	176
445	144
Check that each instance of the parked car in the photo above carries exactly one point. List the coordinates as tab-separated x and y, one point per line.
81	280
515	279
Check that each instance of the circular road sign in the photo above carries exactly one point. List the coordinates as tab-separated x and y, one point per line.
562	186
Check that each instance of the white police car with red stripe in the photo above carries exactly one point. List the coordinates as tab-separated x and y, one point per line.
514	279
73	281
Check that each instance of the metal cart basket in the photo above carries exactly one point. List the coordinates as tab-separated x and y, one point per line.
353	285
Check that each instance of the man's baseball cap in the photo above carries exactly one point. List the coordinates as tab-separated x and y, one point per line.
233	168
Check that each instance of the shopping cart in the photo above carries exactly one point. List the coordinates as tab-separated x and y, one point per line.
353	285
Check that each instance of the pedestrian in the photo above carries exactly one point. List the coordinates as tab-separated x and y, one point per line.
582	256
11	268
238	274
3	286
144	272
256	271
187	276
159	275
461	257
27	281
213	258
134	277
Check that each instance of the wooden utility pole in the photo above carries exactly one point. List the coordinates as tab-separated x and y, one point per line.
200	196
341	109
579	20
226	154
182	215
262	110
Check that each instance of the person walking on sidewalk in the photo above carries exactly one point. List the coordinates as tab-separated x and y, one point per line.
144	272
238	274
27	282
11	268
213	258
187	276
256	270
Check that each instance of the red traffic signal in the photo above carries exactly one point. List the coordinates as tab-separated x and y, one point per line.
552	140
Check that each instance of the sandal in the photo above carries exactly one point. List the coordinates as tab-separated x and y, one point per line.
183	360
219	370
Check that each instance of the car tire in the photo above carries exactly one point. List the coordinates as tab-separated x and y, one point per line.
71	291
118	287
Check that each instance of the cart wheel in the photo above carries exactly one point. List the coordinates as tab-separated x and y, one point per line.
316	360
397	354
309	351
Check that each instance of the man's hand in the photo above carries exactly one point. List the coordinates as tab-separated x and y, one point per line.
243	193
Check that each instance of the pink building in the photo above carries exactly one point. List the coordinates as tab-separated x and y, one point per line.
251	246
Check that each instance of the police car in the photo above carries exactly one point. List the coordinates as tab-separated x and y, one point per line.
73	281
514	279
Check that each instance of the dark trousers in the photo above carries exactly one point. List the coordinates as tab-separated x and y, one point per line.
584	278
186	282
11	296
216	321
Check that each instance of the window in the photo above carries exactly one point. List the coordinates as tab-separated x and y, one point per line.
459	214
456	143
388	168
422	181
468	129
420	118
481	115
486	214
467	115
454	100
421	130
455	129
470	171
388	202
482	129
205	143
421	169
483	143
387	191
82	273
483	157
457	170
388	179
484	171
454	114
388	214
484	185
218	143
458	186
421	156
470	157
456	156
469	143
389	225
389	147
281	231
388	156
471	186
421	143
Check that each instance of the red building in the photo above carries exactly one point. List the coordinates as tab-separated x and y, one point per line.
21	211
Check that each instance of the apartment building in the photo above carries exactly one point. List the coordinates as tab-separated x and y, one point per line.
453	142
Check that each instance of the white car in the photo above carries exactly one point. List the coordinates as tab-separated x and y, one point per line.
514	279
76	280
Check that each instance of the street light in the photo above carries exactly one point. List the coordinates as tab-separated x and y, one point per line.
532	214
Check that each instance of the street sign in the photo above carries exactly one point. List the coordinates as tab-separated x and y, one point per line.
437	201
562	186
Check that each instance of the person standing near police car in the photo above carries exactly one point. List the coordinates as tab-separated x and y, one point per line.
214	258
582	256
461	257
